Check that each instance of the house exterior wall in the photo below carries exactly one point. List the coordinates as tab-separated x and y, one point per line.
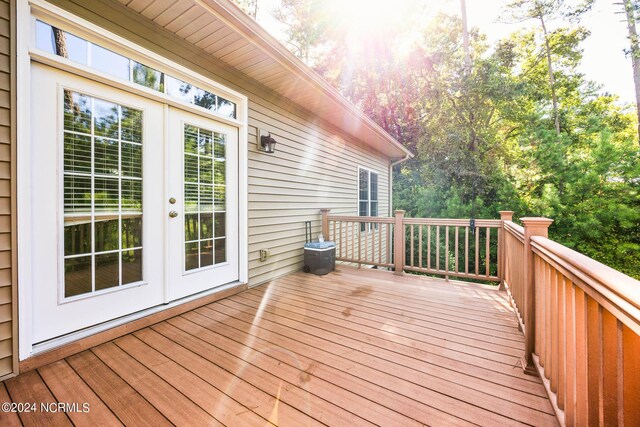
315	164
7	217
312	168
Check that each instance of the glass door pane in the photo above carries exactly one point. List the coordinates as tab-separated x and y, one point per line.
204	197
102	194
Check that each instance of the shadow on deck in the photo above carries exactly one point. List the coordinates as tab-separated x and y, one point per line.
355	347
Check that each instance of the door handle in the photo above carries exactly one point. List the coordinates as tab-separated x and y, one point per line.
173	214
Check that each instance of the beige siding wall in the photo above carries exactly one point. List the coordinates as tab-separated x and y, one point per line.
312	168
7	309
315	165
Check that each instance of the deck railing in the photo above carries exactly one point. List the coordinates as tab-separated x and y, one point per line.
445	247
450	247
580	318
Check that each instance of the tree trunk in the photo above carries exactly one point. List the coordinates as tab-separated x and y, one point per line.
552	80
635	53
60	42
465	37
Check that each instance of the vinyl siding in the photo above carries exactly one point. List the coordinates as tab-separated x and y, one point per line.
312	168
7	253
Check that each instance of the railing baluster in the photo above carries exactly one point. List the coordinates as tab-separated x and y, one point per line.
334	232
466	250
611	368
561	349
477	251
582	361
359	230
631	376
429	247
355	231
437	247
570	355
544	343
367	231
446	250
487	254
387	236
420	245
456	267
594	360
340	232
553	367
373	243
411	246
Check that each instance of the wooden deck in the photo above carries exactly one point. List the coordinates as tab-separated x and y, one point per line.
356	347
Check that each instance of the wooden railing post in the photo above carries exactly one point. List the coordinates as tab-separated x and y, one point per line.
398	247
532	227
325	223
502	255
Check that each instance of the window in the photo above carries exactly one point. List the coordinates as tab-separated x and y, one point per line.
62	43
204	196
367	194
102	194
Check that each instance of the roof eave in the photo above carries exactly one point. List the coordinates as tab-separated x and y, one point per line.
235	18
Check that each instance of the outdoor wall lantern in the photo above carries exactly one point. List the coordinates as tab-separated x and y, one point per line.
266	143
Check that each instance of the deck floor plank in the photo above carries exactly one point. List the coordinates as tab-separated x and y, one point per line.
510	393
355	347
402	322
123	400
30	389
425	317
69	388
270	407
7	418
403	372
312	374
189	335
215	402
171	403
288	365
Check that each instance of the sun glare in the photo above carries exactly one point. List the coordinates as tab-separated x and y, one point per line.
364	16
363	23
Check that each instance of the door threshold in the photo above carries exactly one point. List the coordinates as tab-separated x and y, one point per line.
58	348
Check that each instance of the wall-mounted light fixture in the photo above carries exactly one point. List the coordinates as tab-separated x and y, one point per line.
266	143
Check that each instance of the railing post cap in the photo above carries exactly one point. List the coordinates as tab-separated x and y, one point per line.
399	211
506	215
536	221
325	210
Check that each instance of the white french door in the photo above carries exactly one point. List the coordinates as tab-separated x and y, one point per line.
107	216
96	203
203	203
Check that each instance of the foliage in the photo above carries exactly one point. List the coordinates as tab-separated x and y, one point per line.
486	139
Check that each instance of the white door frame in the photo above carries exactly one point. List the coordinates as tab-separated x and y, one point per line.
26	52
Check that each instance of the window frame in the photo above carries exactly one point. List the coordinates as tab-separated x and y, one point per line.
369	200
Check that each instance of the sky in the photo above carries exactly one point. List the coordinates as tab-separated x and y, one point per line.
604	60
